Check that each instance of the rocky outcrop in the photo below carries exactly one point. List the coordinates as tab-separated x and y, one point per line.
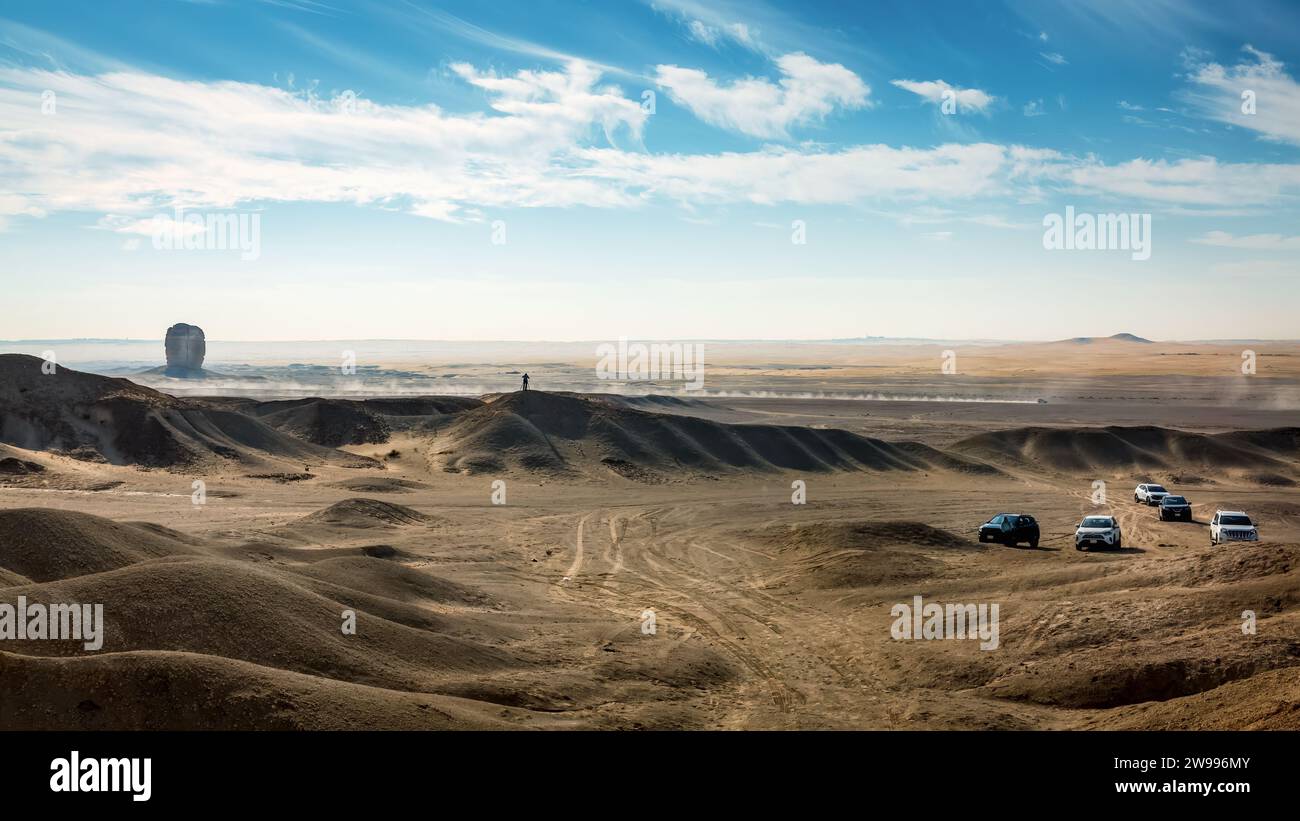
186	348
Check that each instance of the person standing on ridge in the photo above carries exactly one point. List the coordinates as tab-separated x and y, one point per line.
525	381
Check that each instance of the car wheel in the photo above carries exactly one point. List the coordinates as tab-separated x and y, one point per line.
1119	543
1033	543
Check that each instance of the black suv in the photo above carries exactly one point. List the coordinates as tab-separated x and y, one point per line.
1175	507
1010	529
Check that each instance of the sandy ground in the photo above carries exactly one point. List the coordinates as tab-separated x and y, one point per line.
600	601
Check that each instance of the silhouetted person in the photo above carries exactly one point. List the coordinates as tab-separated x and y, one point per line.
525	381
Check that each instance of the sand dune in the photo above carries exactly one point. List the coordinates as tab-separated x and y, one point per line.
1136	449
336	422
366	513
1153	670
379	484
151	690
259	615
47	545
1267	701
114	420
554	433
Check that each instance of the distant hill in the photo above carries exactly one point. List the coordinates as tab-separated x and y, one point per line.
1087	340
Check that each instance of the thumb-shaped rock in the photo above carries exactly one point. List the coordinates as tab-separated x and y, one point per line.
185	348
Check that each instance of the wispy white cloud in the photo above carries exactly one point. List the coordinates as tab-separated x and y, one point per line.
131	144
808	91
1258	268
937	91
714	23
1253	242
124	142
1053	58
1034	108
713	35
1255	94
782	175
1202	181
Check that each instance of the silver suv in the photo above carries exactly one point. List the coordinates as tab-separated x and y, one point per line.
1098	531
1232	526
1149	494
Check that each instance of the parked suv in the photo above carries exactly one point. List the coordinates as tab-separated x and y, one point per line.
1010	529
1175	507
1232	526
1098	531
1149	494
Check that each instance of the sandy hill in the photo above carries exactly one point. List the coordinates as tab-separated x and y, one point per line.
1143	448
45	545
167	690
558	433
104	419
337	422
844	555
187	621
261	615
365	513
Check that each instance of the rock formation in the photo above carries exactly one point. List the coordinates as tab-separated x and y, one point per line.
185	351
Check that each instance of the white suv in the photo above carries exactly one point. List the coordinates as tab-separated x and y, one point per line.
1232	526
1149	494
1102	531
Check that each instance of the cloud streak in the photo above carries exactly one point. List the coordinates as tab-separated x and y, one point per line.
808	91
937	91
131	144
1255	94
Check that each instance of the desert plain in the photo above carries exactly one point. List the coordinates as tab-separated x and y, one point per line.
585	557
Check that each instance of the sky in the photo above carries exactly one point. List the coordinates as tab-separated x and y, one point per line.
671	169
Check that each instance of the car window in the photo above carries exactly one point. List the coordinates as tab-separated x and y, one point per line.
1234	520
996	520
1026	520
1174	500
1156	489
1096	521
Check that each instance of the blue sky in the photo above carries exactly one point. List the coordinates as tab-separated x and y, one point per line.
645	167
